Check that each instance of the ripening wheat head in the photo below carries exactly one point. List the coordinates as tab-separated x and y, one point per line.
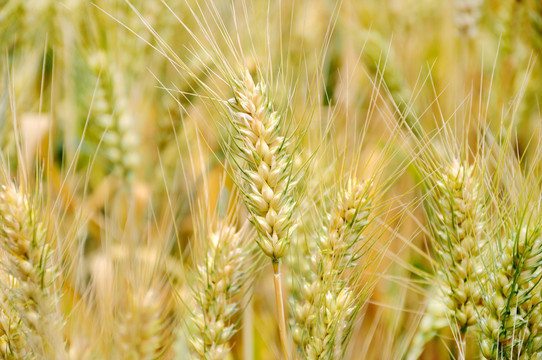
456	217
28	274
264	162
324	307
454	198
339	248
145	327
510	321
112	123
222	272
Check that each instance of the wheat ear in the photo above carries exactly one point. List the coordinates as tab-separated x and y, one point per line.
146	328
29	275
219	285
466	16
456	215
324	316
511	320
13	344
433	320
264	164
113	120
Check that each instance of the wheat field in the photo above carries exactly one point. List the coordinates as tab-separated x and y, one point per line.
290	179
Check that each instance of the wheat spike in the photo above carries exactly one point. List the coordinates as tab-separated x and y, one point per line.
267	183
324	315
220	280
467	14
30	272
457	215
511	319
145	329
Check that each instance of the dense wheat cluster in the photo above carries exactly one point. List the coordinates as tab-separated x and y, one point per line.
296	180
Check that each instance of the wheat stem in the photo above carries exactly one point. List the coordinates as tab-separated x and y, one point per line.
462	345
280	309
248	332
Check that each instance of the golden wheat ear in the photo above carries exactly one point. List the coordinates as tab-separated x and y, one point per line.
262	156
325	308
263	159
223	272
29	271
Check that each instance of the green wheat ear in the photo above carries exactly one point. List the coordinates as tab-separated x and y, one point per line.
510	321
